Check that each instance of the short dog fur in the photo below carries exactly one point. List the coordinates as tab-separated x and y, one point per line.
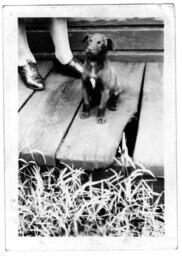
99	81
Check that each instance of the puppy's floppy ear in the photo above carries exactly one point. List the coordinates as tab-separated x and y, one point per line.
85	38
110	44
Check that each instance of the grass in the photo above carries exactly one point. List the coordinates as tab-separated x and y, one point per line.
67	201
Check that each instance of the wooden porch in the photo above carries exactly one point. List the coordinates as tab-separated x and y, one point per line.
49	122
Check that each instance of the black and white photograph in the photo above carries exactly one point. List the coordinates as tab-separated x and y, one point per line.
90	127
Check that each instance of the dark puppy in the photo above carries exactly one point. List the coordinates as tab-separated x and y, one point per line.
99	82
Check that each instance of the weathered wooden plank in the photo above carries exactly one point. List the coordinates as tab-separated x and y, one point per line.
121	56
149	143
45	118
24	93
90	22
92	145
124	39
129	56
95	22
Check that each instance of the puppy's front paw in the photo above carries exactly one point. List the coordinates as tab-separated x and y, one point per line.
112	107
101	119
84	115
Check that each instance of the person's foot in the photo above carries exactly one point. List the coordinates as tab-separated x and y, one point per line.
73	68
30	75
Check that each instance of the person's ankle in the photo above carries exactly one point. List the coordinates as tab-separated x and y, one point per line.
25	55
23	60
63	60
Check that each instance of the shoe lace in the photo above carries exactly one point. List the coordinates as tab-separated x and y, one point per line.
31	68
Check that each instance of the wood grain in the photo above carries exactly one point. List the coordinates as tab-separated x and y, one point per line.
149	143
95	22
45	118
90	22
24	92
138	39
124	39
122	56
92	145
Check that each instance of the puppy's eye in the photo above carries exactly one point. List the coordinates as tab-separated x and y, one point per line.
90	40
99	42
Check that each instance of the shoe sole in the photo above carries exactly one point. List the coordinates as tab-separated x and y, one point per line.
37	89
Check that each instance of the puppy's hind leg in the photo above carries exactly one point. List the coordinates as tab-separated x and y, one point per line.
86	105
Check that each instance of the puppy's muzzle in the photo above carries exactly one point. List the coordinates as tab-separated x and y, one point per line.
90	52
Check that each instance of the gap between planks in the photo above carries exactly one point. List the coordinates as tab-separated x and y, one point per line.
46	117
149	142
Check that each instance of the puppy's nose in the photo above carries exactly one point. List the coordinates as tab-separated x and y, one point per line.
89	49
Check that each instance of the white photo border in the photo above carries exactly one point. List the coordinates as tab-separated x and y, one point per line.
10	39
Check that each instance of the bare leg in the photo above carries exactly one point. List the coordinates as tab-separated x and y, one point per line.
23	47
27	66
59	33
